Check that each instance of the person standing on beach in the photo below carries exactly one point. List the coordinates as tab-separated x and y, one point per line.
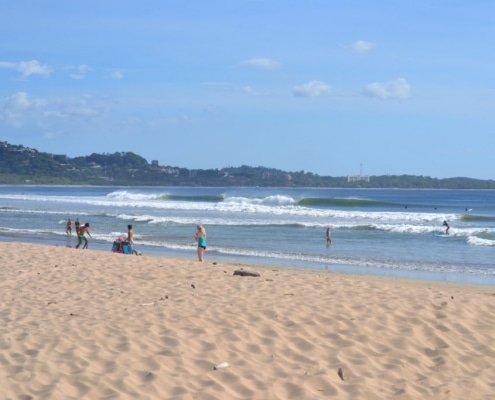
77	224
130	239
329	237
81	237
200	236
130	234
68	228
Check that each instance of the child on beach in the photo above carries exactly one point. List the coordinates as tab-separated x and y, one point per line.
200	236
68	228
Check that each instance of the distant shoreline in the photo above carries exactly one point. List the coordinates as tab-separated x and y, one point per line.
130	169
241	187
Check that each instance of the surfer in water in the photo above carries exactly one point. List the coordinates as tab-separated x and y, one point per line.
447	227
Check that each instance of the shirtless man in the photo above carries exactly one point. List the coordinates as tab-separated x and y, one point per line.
81	237
130	234
130	239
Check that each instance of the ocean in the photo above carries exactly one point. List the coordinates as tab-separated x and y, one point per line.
378	232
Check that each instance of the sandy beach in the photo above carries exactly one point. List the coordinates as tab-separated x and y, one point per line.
87	324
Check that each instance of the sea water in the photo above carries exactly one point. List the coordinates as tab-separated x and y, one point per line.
382	232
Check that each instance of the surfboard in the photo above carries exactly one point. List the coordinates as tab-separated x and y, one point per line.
441	235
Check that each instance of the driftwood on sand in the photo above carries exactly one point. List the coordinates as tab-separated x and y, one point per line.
241	272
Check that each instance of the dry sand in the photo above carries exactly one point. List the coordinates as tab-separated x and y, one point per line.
86	324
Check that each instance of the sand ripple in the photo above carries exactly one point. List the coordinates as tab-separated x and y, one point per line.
94	325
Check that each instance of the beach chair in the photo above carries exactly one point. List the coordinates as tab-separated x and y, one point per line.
122	246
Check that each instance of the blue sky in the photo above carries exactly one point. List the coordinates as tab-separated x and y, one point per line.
329	87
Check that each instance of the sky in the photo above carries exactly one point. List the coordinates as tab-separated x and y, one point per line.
330	87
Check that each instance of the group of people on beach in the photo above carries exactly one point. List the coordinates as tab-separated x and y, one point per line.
199	236
81	231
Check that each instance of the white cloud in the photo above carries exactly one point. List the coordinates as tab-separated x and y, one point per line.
396	89
117	75
80	71
27	68
263	63
360	46
82	108
17	109
21	109
312	89
83	68
249	90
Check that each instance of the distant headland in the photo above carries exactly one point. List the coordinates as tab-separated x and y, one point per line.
21	165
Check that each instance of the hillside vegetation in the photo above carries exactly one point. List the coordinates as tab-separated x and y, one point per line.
23	165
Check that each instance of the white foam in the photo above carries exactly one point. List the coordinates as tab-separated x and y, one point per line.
477	241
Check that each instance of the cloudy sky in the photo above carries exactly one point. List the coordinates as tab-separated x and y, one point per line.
323	86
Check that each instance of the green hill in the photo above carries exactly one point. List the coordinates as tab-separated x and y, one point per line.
23	165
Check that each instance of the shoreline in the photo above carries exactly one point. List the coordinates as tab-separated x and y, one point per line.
252	187
359	270
335	270
91	324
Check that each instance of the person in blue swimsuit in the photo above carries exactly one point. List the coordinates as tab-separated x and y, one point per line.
200	236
